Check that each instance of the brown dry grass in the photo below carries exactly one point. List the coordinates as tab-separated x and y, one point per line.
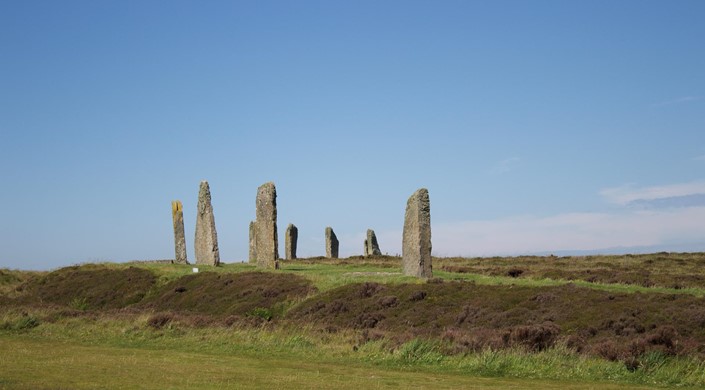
220	294
462	316
473	317
670	270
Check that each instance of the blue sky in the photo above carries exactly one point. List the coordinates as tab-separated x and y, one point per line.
537	126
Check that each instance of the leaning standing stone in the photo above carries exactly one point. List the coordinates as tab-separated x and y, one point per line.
292	234
253	244
416	244
206	246
331	244
266	227
177	215
371	245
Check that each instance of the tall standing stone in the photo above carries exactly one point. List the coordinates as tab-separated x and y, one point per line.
416	244
177	215
253	244
267	245
371	245
331	244
292	235
206	246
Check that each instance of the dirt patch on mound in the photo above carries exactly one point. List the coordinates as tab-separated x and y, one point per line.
376	261
472	317
93	287
249	293
372	273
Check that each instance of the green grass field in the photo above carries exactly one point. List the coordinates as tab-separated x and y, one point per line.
356	323
43	364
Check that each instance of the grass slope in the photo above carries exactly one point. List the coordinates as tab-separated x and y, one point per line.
479	317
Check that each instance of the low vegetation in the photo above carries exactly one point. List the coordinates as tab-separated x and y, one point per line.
528	317
668	270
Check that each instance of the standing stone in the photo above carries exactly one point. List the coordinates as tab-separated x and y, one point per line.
416	244
331	244
266	242
253	244
292	234
371	245
177	215
206	246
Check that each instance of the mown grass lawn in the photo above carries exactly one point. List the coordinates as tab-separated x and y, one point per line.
49	364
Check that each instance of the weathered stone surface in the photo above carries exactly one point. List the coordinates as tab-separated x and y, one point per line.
331	244
292	235
177	216
266	242
416	243
206	244
253	244
371	245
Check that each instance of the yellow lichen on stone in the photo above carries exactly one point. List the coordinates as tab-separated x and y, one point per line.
176	206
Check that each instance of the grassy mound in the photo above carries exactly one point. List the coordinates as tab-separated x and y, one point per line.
8	277
219	294
517	321
93	287
472	317
13	282
670	270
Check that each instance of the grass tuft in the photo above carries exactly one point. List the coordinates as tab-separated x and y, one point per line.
261	312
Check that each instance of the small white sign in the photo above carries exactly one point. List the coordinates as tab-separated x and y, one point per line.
195	270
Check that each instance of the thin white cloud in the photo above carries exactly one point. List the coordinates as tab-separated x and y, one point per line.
629	193
569	232
699	158
680	100
627	228
505	166
562	232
